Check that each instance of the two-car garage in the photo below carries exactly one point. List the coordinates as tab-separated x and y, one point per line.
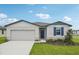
22	31
22	35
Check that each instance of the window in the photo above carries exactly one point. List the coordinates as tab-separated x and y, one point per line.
58	30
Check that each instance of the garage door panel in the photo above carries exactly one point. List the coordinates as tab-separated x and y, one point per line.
22	35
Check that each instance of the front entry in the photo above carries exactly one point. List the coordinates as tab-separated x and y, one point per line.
42	33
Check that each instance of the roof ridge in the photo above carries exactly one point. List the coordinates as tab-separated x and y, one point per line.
55	23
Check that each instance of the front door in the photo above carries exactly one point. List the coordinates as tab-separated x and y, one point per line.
42	33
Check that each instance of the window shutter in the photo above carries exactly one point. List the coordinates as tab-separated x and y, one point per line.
62	31
54	31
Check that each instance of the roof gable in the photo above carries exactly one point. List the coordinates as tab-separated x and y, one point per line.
20	21
59	23
40	23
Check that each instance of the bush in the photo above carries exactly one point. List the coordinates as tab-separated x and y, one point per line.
59	40
3	39
49	40
37	40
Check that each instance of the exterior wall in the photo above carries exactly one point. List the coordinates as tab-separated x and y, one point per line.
50	31
4	33
22	26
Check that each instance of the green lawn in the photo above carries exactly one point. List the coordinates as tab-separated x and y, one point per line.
2	39
76	38
48	49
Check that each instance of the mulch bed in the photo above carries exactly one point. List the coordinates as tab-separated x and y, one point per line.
64	43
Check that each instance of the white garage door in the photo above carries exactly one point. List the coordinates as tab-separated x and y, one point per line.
22	35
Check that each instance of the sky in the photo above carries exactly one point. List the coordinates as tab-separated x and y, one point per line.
49	13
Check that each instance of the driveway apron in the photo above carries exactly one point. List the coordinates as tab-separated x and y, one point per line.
16	48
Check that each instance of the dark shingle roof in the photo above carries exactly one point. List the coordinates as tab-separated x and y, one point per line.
41	23
59	23
20	21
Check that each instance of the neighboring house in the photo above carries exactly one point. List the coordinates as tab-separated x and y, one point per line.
2	30
75	32
24	30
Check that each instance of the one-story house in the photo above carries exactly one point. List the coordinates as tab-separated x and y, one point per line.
24	30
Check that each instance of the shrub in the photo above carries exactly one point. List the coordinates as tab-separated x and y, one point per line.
59	40
49	40
37	40
3	39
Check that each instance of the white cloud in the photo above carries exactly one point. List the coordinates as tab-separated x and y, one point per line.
66	18
12	19
2	16
9	20
43	16
4	19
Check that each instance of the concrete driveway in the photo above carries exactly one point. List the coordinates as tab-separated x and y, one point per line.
16	48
